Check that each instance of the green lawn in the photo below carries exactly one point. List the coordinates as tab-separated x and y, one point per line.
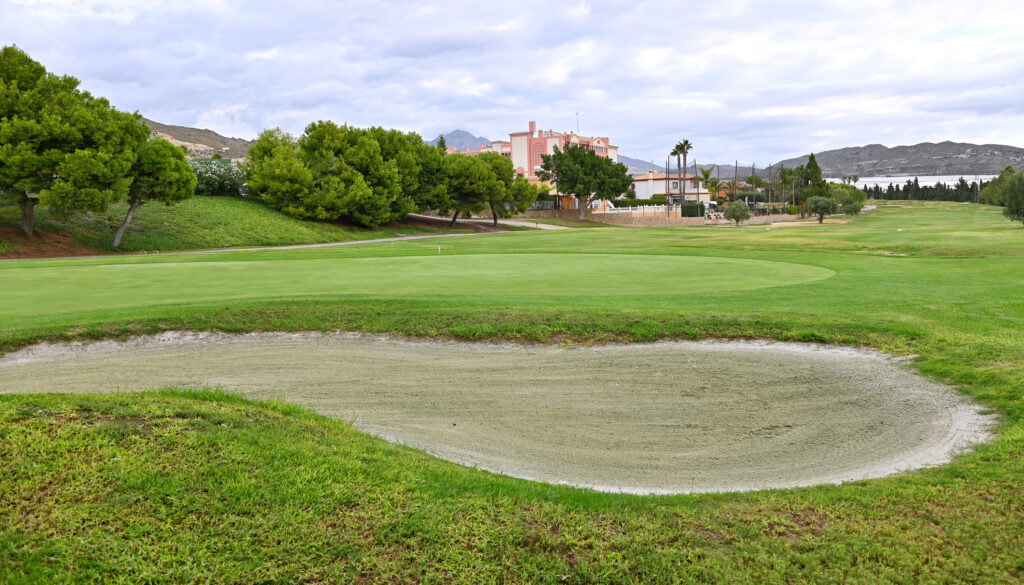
198	223
177	488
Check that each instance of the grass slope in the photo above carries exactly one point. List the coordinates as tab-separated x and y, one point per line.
198	223
206	488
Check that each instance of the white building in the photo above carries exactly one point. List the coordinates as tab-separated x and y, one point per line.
651	184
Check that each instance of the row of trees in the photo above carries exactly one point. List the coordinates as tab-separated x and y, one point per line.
65	148
376	176
961	191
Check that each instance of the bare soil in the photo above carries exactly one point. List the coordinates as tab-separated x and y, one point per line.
669	417
41	244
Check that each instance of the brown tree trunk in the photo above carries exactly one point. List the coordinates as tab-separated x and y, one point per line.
127	220
679	171
583	209
454	217
28	213
682	181
821	219
494	213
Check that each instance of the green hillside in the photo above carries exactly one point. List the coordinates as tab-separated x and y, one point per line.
198	223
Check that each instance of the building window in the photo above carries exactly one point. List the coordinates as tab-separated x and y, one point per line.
675	184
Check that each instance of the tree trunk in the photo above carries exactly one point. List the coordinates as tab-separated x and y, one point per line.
583	208
682	182
821	219
454	217
28	213
680	172
127	220
494	213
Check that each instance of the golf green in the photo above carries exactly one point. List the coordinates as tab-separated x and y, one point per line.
62	288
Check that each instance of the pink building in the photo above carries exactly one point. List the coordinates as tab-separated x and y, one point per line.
526	148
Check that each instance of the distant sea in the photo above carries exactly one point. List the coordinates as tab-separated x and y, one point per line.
930	181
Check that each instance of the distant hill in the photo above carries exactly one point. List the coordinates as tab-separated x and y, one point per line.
461	140
636	166
927	158
201	142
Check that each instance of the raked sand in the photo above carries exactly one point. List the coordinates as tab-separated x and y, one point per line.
669	417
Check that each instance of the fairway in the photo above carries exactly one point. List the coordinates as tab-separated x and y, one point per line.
118	284
658	418
587	357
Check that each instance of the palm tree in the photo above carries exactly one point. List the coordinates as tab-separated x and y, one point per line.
705	174
682	149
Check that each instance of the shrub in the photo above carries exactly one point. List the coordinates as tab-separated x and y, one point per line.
737	211
693	210
217	177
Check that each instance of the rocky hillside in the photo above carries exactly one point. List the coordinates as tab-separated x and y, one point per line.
201	142
927	158
636	166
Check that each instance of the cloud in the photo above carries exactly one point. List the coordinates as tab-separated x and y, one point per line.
751	80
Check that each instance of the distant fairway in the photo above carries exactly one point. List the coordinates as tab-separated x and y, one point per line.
118	284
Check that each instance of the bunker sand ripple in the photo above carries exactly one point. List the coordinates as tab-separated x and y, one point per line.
669	417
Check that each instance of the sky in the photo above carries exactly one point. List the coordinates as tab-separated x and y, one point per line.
740	79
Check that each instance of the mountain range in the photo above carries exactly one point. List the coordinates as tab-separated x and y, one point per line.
926	158
872	160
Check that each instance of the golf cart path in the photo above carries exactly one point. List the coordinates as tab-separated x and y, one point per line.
467	223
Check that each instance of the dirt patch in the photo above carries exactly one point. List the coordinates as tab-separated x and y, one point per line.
40	244
646	418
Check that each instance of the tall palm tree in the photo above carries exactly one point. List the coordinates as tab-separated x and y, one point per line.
682	149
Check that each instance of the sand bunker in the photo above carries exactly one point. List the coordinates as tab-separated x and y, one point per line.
647	418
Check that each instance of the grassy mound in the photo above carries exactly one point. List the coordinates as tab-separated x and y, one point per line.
198	223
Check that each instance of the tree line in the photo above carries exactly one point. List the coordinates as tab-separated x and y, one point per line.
374	176
74	152
64	148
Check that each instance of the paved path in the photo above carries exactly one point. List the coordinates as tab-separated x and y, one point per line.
467	222
258	248
531	224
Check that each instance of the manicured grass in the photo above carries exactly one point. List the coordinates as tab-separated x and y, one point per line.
198	223
101	288
570	224
206	488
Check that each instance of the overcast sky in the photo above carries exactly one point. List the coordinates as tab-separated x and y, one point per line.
747	80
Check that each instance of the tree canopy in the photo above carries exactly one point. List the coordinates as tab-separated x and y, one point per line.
516	193
471	184
737	211
579	172
160	173
822	206
368	177
1012	191
59	145
993	192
